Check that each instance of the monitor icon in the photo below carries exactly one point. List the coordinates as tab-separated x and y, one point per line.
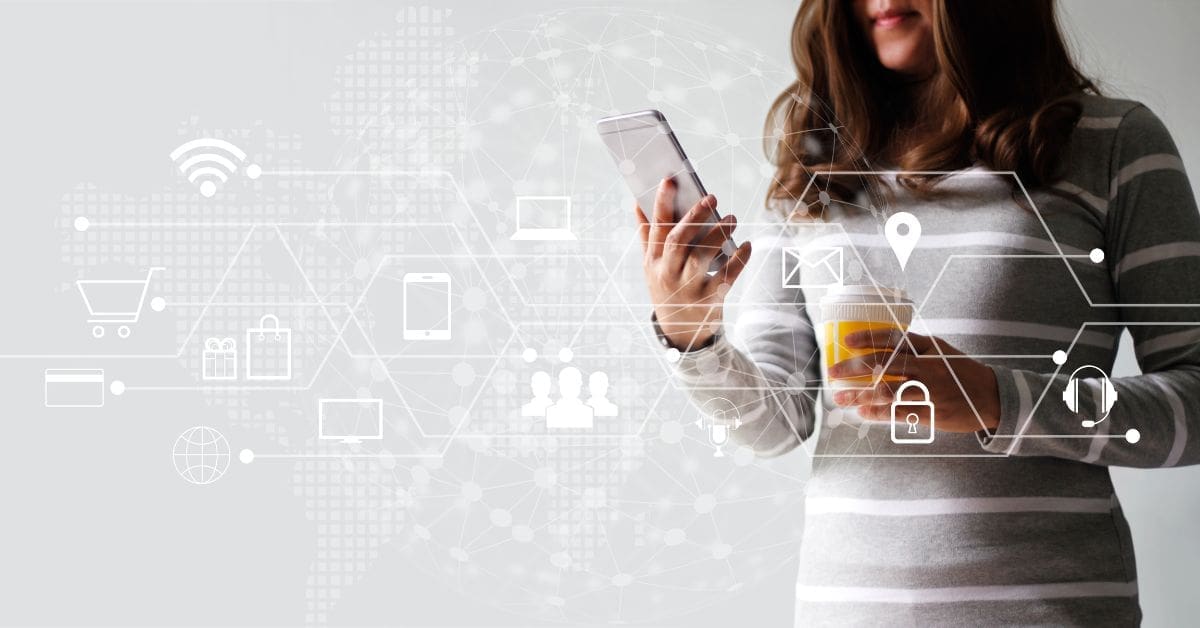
543	218
350	420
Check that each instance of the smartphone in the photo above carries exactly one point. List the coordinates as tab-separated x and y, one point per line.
646	151
426	306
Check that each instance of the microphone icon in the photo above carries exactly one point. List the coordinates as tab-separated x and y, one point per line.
719	417
718	435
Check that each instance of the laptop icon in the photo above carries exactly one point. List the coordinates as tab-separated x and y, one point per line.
543	218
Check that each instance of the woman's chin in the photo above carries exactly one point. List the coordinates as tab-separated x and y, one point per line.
905	58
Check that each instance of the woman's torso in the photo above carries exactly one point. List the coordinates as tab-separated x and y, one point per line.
962	533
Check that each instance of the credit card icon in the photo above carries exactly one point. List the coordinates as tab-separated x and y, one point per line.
74	388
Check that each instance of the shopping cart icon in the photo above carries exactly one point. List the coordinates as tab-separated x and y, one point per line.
114	302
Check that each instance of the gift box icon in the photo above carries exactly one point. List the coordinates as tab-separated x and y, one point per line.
220	359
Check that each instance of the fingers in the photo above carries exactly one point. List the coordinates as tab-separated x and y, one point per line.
879	339
678	245
891	338
876	412
883	412
734	265
882	393
705	249
877	363
664	217
643	226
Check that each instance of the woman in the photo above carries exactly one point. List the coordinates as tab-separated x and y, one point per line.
1009	516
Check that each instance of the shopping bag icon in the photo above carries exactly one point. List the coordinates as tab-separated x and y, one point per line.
269	351
812	267
219	359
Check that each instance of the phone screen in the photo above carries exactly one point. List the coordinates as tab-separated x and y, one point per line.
646	151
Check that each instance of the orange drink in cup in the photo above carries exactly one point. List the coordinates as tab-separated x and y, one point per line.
848	309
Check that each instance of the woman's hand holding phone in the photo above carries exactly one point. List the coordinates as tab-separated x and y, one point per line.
687	299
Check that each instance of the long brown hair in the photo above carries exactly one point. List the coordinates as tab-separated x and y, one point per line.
1005	95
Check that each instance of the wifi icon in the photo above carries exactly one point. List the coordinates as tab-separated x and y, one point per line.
209	162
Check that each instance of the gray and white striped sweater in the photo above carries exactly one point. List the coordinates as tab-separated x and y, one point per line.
1019	527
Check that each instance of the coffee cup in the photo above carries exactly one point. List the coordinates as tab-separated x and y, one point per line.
849	309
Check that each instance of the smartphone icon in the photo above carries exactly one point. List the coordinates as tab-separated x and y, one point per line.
426	306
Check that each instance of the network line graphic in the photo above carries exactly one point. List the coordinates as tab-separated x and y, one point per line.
442	332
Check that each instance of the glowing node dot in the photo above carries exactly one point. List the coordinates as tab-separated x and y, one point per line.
673	355
82	223
117	387
674	536
1097	256
721	551
246	456
522	534
500	518
622	580
1133	435
732	139
529	354
207	189
1059	357
459	554
254	171
565	354
627	167
158	304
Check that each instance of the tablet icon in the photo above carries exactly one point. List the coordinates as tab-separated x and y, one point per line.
543	218
427	306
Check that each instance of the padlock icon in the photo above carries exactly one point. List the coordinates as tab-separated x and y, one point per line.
906	416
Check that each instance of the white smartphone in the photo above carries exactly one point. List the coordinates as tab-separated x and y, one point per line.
426	306
646	151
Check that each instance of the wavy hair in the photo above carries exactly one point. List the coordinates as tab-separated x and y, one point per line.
1005	95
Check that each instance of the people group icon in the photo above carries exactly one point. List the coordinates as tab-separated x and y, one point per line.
569	411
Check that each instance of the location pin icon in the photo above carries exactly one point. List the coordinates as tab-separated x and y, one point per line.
902	231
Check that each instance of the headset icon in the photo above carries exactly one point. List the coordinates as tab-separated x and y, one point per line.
1108	394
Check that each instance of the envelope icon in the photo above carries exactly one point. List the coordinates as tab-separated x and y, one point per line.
812	267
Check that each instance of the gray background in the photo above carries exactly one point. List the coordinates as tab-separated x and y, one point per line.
91	89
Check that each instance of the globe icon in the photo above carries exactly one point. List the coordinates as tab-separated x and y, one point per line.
201	455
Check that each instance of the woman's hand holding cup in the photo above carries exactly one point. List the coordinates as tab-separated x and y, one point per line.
959	387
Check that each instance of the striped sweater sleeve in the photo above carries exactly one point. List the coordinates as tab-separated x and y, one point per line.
770	373
1152	247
